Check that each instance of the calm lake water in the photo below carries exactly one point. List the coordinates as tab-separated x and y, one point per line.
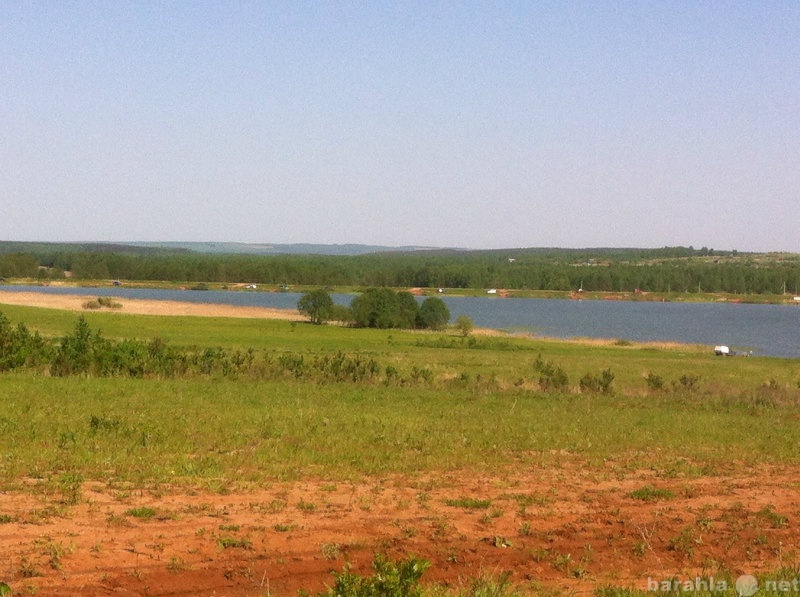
767	330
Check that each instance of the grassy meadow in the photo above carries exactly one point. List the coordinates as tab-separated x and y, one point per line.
438	402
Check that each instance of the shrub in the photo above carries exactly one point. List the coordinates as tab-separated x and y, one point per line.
108	302
597	384
341	367
126	358
689	381
234	543
75	354
421	374
551	377
655	382
464	325
102	301
294	364
70	485
492	587
391	579
18	347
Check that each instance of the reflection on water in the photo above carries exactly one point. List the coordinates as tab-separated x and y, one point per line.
772	330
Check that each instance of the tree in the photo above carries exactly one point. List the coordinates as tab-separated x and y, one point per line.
317	305
464	325
342	314
407	312
375	308
434	313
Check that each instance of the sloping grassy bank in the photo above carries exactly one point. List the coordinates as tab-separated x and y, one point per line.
190	432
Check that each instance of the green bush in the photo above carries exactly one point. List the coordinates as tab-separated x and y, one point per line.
464	325
108	302
551	376
19	348
391	579
597	384
655	382
689	381
75	354
342	367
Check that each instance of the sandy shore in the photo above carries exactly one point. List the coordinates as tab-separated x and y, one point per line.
75	302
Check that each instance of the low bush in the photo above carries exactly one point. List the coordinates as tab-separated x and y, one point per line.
688	382
391	579
597	384
655	383
102	301
20	348
551	376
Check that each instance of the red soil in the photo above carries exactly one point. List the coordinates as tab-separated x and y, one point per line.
569	528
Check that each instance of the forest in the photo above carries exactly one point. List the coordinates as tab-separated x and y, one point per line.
668	269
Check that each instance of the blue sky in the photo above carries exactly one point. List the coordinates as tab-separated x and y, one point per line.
469	124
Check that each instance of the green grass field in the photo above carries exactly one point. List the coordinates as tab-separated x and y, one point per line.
479	405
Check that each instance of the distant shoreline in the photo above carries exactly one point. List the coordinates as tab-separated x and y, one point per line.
635	296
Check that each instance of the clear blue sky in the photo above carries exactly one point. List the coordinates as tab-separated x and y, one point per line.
469	124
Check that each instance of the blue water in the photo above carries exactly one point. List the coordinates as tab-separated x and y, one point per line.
769	330
772	330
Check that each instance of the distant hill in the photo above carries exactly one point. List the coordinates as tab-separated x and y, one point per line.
553	254
218	248
277	249
40	248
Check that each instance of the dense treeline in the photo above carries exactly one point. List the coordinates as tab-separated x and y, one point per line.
616	270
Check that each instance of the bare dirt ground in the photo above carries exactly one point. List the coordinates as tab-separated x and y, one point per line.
568	530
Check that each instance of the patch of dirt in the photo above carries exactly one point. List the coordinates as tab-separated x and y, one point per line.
569	529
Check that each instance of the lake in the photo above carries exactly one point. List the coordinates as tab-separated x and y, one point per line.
767	330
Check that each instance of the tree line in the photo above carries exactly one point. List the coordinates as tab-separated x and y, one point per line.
617	270
377	308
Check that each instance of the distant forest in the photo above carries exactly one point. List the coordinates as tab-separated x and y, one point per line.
669	269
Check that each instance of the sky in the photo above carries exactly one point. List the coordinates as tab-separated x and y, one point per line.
480	125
